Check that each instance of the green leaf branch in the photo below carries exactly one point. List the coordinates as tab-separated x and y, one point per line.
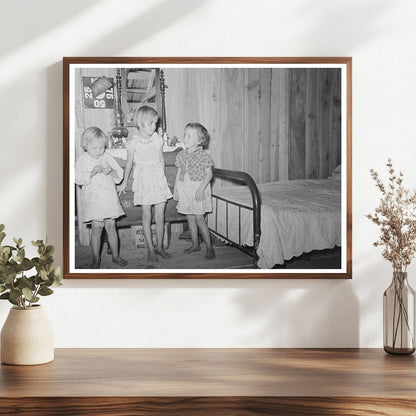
16	285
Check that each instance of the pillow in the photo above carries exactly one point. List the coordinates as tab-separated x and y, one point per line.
336	173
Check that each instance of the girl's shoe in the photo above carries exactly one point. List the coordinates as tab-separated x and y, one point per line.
192	249
210	254
151	256
120	261
162	253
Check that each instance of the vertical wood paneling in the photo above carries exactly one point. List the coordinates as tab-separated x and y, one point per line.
273	124
325	121
335	156
83	234
312	124
193	96
211	111
128	108
203	101
251	117
283	114
265	133
175	101
79	108
274	127
245	126
79	112
297	126
231	118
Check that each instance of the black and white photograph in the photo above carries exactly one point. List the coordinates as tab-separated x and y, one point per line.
217	167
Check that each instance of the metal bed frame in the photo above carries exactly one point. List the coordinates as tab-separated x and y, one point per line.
246	179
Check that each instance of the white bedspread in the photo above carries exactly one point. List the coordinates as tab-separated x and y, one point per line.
297	216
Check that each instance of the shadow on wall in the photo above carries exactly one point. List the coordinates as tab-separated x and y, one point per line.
352	25
45	16
301	314
38	15
285	313
130	33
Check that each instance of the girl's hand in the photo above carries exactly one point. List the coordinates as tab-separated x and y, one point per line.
96	169
107	170
199	194
175	193
121	187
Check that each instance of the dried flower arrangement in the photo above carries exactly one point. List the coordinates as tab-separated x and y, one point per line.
396	216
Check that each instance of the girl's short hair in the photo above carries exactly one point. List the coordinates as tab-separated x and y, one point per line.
92	133
201	132
145	113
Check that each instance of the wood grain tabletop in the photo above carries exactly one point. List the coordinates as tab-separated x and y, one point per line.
231	381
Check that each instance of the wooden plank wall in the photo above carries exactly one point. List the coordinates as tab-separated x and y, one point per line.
271	123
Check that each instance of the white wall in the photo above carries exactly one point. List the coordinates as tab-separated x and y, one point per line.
380	35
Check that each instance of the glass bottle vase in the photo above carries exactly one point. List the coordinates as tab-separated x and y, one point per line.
399	316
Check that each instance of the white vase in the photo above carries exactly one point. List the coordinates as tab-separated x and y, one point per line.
27	337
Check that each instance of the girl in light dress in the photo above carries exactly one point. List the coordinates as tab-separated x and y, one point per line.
192	186
150	186
97	172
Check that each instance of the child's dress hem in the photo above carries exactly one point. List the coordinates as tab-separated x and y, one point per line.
187	204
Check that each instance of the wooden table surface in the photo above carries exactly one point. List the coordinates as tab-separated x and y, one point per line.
212	382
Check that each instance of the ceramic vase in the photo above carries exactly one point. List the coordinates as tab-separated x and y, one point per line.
27	337
399	316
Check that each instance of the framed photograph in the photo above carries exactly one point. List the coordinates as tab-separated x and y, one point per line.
207	167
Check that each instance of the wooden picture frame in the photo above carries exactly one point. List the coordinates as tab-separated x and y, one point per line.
277	126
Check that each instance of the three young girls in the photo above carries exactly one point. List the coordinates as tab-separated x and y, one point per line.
97	172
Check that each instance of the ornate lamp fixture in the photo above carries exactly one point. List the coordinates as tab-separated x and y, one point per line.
99	86
162	87
119	131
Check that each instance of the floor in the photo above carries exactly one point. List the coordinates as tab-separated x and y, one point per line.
227	257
